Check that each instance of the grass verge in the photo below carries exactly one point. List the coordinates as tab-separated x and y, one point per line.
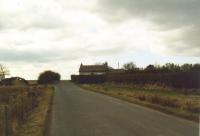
173	102
37	122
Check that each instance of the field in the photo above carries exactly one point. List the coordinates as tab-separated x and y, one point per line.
24	110
182	103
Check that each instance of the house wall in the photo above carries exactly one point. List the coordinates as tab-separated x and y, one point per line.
18	82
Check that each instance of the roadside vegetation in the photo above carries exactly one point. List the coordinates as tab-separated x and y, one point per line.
180	102
37	123
24	110
25	106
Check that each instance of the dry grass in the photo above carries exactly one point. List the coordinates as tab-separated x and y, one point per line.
36	123
15	98
27	108
167	100
32	82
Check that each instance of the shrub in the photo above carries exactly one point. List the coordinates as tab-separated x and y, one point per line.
48	77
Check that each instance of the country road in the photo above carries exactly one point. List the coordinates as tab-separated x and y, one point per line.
77	112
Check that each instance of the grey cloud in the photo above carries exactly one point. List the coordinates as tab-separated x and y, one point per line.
106	51
186	43
170	12
30	18
193	35
51	55
33	56
40	22
166	15
45	22
182	50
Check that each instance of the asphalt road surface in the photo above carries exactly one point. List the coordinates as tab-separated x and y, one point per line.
77	112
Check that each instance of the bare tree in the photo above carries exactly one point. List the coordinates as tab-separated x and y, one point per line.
3	72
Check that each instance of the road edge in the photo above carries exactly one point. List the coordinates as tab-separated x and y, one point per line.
150	106
49	116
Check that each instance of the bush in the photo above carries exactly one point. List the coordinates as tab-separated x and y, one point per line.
48	77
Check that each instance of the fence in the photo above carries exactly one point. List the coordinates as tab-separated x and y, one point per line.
2	121
15	109
4	130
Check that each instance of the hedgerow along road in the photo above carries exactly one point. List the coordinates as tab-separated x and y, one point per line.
77	112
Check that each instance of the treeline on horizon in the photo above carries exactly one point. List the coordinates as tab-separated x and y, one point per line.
168	67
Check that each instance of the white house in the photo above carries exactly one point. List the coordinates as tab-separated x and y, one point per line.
94	69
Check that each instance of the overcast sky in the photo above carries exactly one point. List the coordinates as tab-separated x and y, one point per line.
60	34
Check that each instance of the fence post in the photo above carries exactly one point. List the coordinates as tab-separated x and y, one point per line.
31	102
6	120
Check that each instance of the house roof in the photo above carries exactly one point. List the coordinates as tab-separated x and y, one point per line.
8	81
94	68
